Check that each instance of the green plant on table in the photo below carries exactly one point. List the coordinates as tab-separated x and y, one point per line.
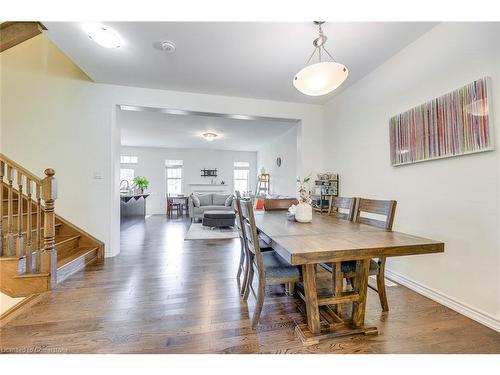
141	183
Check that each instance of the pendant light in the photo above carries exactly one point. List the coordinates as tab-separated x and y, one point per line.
322	77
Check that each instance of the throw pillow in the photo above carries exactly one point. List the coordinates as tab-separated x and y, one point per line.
196	200
219	199
228	201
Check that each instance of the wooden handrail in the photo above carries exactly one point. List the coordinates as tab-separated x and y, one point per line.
23	170
38	253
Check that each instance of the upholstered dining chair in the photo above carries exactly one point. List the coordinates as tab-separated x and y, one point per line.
378	213
271	268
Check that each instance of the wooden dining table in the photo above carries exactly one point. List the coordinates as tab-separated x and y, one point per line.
328	239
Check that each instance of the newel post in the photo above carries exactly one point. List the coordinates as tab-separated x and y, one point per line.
49	256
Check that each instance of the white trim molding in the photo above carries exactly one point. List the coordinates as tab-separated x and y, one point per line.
460	307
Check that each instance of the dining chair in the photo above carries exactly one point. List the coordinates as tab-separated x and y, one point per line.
244	264
270	267
378	213
343	208
242	267
171	206
264	240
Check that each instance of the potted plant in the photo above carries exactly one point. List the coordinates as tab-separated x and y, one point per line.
303	211
141	183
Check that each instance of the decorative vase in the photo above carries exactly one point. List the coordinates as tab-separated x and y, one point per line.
303	213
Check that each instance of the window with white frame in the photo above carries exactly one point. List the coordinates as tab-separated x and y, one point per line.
126	174
126	159
174	177
241	180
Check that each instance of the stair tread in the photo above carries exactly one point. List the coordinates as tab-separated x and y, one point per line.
74	254
66	238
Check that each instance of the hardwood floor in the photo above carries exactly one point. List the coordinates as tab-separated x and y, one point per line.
166	295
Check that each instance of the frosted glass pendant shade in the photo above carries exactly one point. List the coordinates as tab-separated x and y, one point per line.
321	78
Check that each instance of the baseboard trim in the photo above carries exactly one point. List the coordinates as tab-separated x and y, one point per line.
460	307
18	308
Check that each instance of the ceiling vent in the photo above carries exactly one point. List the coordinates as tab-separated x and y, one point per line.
165	46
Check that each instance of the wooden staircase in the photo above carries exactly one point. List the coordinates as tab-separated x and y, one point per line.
38	248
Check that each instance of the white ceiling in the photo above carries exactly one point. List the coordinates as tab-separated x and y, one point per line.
150	128
246	59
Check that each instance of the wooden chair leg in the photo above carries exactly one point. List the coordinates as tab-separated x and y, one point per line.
381	292
242	260
382	295
260	302
246	274
249	279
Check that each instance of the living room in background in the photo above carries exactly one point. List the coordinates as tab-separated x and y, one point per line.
241	176
174	177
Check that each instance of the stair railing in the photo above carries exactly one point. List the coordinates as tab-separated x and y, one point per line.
27	240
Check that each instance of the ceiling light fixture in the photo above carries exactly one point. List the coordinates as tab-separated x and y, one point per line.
103	35
209	136
322	77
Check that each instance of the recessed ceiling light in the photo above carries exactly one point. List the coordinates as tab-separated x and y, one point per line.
103	35
209	136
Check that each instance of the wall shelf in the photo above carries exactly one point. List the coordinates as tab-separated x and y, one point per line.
209	172
322	191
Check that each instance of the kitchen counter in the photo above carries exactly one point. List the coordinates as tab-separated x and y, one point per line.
127	197
132	206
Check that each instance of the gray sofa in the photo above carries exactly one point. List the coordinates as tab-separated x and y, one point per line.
208	202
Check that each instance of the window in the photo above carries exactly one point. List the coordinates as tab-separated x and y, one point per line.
128	175
174	177
241	176
129	159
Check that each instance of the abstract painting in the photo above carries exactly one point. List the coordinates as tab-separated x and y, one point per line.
454	124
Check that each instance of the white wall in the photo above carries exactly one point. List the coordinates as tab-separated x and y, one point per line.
152	165
51	119
283	178
456	200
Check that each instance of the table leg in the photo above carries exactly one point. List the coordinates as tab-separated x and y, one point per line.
311	297
359	307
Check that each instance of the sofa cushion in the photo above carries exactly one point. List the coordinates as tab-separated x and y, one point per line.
196	200
205	200
217	208
219	199
229	201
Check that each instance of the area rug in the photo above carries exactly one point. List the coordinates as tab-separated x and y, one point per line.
198	232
